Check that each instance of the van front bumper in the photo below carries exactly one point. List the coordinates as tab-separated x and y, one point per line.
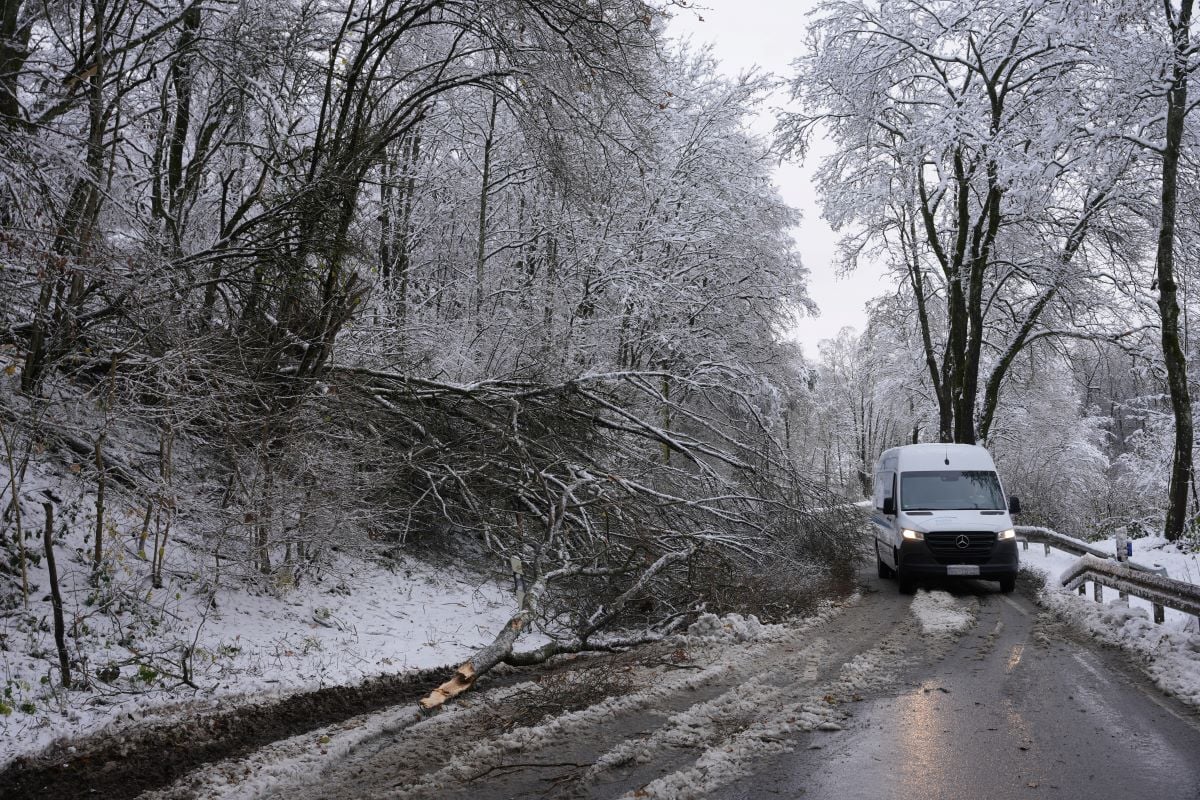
916	560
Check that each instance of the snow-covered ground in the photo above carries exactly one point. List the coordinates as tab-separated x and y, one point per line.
1170	651
359	620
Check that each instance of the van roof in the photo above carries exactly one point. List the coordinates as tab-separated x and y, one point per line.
935	456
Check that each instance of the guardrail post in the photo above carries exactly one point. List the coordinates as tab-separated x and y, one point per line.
1122	541
1098	591
1025	545
1083	588
1047	551
1159	615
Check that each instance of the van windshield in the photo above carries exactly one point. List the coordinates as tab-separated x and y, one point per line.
943	490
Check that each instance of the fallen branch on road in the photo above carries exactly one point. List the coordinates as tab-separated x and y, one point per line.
501	648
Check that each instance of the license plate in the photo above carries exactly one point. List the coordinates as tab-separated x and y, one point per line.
962	569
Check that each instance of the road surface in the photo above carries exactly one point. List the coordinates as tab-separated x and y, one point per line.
957	693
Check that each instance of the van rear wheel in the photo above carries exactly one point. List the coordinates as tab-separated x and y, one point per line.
883	569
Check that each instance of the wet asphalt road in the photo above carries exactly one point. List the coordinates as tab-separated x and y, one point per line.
1018	708
864	703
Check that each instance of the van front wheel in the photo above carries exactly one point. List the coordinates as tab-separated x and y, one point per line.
1008	583
907	584
883	569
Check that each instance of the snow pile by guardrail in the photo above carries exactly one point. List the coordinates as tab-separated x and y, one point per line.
1171	656
1170	652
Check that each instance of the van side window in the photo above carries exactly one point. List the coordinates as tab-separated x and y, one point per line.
885	484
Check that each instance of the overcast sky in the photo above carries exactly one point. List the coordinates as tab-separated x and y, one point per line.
769	34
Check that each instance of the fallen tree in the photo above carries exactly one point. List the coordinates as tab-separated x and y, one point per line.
568	486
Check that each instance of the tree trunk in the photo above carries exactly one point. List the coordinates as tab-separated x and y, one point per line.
484	191
14	503
403	236
64	662
14	50
908	238
501	648
1168	306
98	556
54	333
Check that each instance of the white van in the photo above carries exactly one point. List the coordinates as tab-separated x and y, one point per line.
940	510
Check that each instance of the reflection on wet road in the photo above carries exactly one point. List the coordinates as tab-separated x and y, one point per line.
1012	710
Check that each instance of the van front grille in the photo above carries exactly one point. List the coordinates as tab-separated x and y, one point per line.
946	549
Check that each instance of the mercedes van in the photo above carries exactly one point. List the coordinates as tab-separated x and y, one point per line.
940	510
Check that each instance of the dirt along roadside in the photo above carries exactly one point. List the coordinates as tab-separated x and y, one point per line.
123	764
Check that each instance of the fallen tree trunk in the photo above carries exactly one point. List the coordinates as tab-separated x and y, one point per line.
465	676
538	655
501	648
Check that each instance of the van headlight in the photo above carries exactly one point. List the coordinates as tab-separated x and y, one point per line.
1006	534
911	535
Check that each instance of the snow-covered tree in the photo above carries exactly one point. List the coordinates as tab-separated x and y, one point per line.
967	155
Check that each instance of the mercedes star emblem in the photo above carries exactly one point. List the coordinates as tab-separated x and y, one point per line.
962	542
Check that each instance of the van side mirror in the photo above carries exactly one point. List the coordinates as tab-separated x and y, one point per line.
889	506
1014	505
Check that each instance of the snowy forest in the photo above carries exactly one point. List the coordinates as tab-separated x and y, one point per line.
506	285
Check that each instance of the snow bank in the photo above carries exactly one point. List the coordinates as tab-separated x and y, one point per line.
1153	551
940	613
1172	655
731	627
1170	652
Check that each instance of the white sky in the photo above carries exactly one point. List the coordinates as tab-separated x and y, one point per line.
769	34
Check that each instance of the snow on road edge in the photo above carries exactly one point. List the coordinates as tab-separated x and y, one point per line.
266	646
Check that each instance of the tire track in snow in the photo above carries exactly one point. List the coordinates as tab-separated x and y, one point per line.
700	724
728	758
933	622
702	728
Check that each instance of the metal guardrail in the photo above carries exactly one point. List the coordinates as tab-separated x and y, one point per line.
1127	577
1159	590
1031	533
1069	544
